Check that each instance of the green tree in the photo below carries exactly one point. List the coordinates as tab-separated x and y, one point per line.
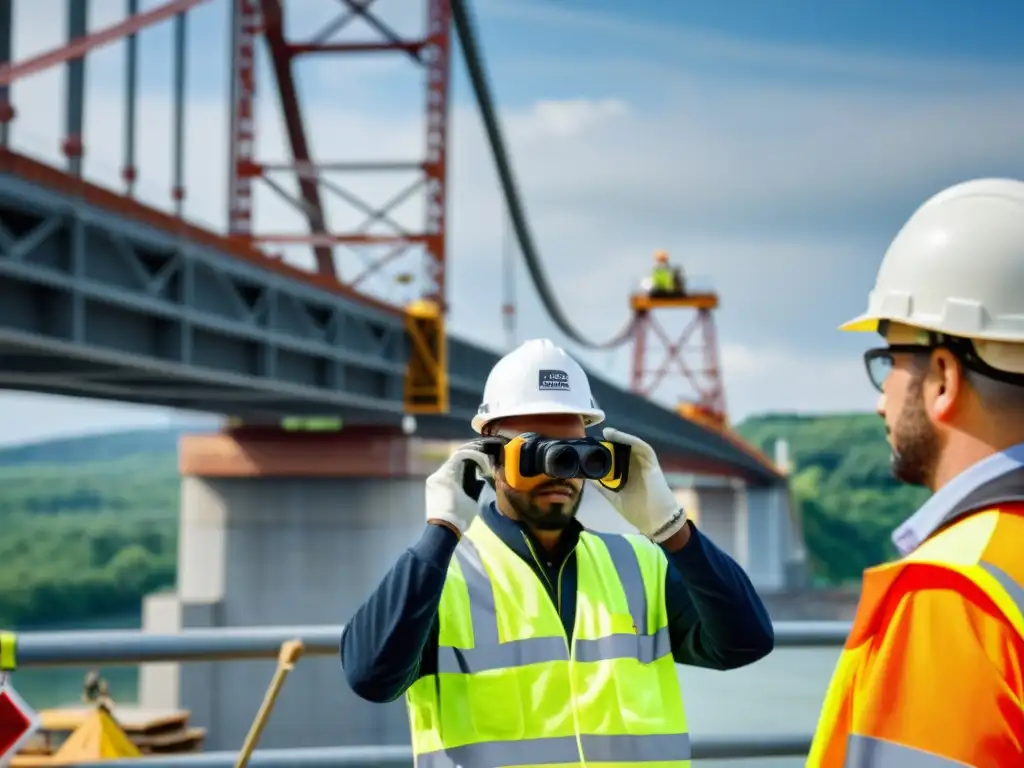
848	500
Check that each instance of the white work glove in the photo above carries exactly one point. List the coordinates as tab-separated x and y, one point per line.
446	499
646	501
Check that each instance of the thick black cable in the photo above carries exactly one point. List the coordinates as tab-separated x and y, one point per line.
481	89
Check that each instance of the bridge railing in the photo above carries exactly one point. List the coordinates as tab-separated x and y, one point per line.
116	647
719	748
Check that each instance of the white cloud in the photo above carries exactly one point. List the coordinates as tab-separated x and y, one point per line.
781	193
756	159
781	379
567	120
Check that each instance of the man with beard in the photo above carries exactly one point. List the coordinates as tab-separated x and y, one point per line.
932	675
521	638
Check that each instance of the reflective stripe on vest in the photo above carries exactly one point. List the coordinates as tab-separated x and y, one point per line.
667	749
1014	592
489	653
508	691
961	548
865	752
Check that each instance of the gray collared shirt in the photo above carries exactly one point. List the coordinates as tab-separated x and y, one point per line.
934	512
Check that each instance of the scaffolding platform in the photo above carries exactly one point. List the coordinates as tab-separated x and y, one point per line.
642	302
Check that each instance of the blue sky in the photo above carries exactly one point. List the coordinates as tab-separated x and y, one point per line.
773	147
986	28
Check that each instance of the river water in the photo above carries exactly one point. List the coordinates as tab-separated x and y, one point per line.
780	694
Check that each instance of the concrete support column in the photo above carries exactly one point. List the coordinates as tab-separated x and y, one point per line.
716	505
720	514
158	683
283	528
774	546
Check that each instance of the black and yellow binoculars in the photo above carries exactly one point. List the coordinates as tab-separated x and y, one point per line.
530	460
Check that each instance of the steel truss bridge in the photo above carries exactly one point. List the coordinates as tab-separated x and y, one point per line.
105	297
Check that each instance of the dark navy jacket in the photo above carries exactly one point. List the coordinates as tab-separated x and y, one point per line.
715	617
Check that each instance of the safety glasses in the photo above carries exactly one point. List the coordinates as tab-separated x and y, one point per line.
879	361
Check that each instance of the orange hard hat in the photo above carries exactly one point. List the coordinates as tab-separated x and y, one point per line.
660	256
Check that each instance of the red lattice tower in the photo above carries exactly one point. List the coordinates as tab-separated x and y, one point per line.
692	356
252	19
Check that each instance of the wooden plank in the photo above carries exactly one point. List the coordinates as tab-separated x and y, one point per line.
131	719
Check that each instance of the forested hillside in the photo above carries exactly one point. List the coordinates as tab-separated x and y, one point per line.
848	499
89	525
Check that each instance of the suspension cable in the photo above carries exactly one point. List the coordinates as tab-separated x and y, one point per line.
481	89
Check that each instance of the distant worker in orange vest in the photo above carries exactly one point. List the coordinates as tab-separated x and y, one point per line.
932	675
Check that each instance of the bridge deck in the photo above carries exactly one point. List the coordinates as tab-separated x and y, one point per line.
103	297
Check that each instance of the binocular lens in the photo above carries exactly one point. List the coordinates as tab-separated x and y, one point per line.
561	462
595	463
568	461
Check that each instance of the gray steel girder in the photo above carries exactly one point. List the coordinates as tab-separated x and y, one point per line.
93	304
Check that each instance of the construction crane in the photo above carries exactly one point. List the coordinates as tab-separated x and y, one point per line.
691	356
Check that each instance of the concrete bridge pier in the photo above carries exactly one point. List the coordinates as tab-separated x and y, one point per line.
285	528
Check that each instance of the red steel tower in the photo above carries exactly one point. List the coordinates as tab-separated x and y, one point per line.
426	385
692	356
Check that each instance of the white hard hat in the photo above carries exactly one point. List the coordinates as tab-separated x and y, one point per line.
537	378
957	268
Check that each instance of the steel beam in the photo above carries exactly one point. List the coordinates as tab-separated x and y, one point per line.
9	72
125	295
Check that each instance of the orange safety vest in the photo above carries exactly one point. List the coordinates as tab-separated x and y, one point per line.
948	692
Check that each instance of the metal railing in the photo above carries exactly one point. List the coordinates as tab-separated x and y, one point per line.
114	647
721	748
127	646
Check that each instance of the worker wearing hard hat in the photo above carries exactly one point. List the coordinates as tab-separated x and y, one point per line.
522	638
932	675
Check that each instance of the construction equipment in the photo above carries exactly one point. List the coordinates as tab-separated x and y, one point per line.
426	373
103	730
98	736
69	736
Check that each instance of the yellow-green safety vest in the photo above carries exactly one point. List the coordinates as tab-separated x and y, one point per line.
510	691
662	279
